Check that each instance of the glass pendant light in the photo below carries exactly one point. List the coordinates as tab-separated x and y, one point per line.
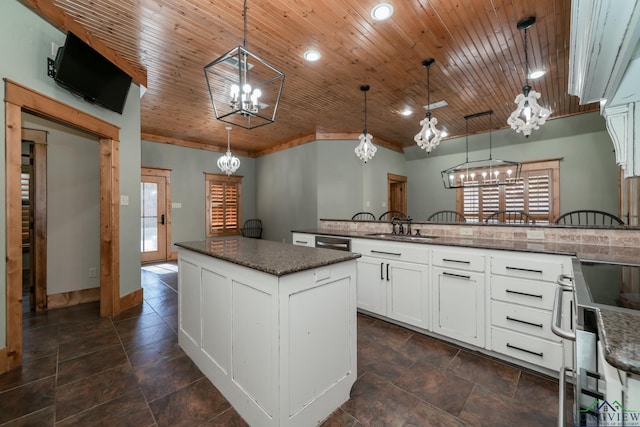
429	137
529	115
365	150
228	163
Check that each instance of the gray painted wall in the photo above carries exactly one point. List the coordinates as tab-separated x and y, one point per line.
25	44
286	191
73	206
188	166
588	173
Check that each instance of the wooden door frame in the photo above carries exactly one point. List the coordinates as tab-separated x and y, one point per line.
394	179
19	98
166	174
39	240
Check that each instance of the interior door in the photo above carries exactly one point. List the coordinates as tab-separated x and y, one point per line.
397	192
153	216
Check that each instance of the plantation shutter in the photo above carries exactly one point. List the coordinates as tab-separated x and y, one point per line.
223	204
533	194
25	178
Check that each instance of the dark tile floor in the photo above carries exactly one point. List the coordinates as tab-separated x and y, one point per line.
83	370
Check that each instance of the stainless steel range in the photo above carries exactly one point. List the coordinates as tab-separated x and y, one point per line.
595	286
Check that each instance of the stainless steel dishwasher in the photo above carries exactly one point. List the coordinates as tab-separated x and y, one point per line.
337	243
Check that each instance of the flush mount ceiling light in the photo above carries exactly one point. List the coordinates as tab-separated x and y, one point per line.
529	115
312	55
429	137
228	163
365	150
245	90
382	11
481	173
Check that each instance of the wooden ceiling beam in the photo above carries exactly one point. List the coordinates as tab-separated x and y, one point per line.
61	20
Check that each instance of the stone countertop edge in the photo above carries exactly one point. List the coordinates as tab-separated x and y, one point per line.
621	339
619	331
275	258
595	253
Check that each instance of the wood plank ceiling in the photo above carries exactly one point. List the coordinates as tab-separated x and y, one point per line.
478	51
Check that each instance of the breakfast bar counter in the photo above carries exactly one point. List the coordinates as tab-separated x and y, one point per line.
272	325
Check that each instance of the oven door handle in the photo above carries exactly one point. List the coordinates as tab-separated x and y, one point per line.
556	314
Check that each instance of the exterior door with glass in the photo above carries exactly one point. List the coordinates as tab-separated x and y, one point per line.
154	220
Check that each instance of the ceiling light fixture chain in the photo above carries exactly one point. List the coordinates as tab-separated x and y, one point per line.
482	173
245	90
228	163
429	136
529	115
365	149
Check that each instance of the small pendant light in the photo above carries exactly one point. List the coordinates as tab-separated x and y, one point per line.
228	163
429	137
365	150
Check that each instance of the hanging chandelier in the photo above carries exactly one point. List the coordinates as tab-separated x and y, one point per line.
245	90
365	150
429	137
481	173
228	163
529	115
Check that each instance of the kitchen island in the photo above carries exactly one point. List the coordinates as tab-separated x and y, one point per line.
272	325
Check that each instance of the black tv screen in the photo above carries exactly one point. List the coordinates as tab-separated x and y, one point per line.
82	70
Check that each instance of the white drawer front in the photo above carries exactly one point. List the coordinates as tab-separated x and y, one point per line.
525	347
522	291
531	267
303	239
523	319
461	259
410	252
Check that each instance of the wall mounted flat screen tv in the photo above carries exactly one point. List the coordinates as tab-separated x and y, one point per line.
84	71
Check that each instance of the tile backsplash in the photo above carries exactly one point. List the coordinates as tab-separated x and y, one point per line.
604	236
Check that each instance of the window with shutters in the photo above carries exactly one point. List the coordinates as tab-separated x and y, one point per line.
223	195
536	193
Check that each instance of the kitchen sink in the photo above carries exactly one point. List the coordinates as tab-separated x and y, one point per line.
403	237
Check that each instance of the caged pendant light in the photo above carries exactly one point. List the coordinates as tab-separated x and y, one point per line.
529	115
245	90
365	150
429	137
228	163
481	173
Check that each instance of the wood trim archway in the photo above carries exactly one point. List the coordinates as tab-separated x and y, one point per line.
19	98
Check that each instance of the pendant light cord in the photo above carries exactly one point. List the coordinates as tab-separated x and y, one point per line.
490	126
365	112
428	92
466	124
244	40
526	59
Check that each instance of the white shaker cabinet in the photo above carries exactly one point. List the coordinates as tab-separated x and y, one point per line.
393	280
303	239
458	304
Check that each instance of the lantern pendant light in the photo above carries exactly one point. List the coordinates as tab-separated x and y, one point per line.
228	163
529	115
365	150
429	137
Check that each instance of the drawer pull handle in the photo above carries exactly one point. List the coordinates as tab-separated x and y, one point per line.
381	271
535	353
456	260
386	253
509	291
513	319
387	272
302	241
524	269
459	276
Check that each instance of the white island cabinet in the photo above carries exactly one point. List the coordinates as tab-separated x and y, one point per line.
272	325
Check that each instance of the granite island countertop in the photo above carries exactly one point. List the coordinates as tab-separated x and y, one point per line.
267	256
619	331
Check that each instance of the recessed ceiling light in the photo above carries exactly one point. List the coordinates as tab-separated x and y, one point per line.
382	11
312	55
406	112
537	74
